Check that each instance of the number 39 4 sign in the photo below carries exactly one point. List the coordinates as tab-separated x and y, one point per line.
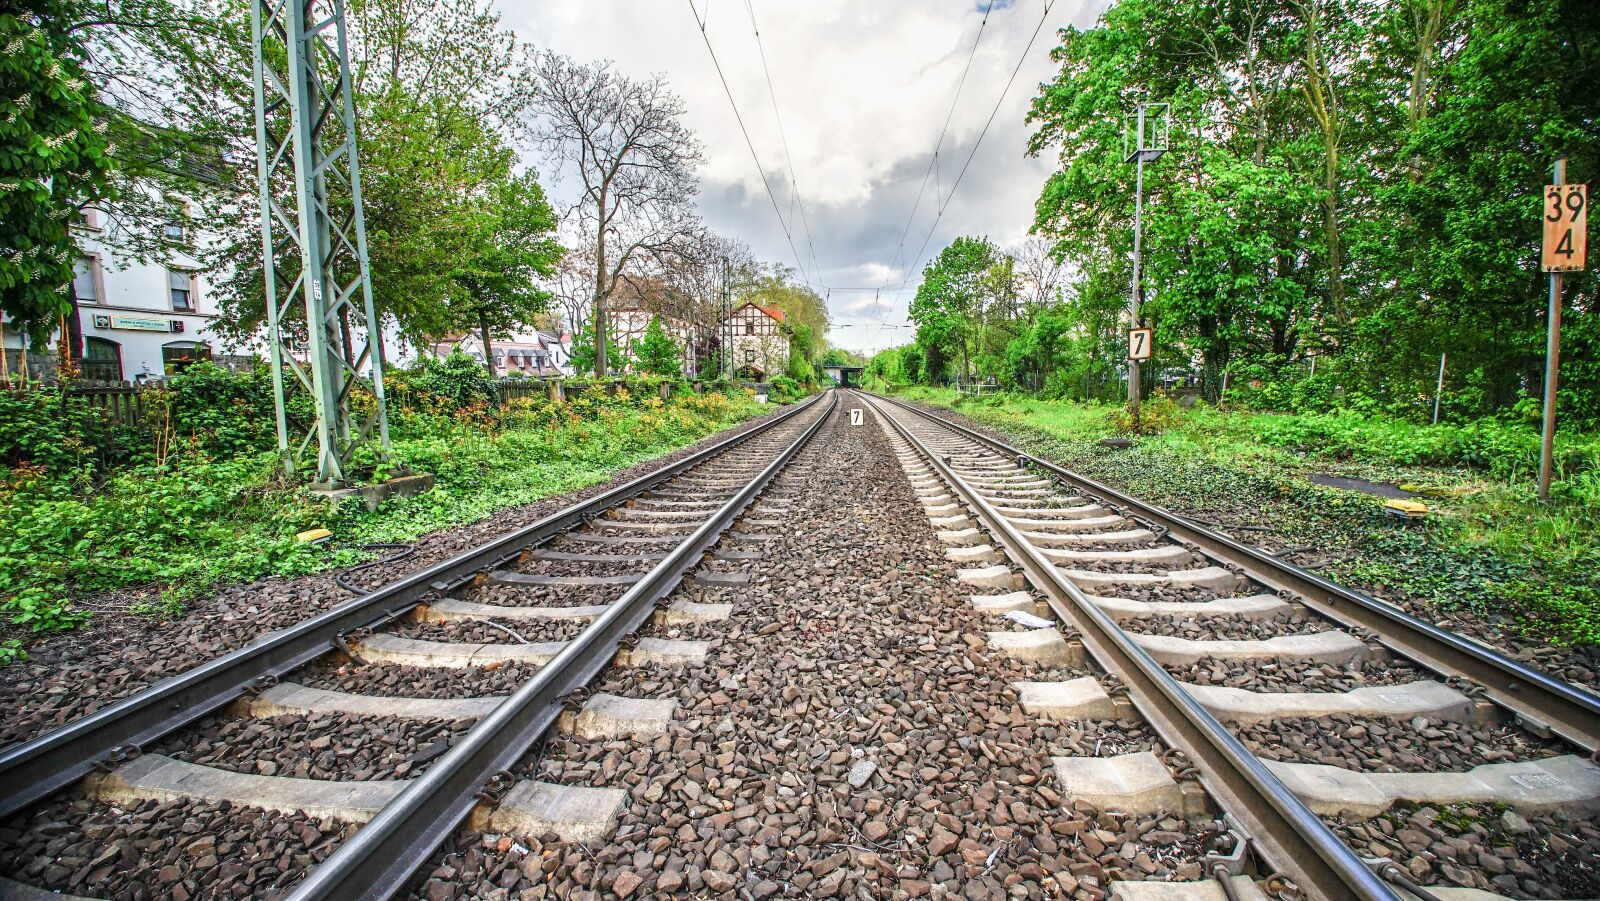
1566	227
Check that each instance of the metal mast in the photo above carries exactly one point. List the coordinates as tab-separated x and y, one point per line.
313	244
1148	146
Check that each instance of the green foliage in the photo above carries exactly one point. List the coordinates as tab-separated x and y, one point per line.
458	378
52	160
1492	547
171	526
657	353
583	355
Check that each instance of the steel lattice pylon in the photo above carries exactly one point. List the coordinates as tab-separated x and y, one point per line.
305	141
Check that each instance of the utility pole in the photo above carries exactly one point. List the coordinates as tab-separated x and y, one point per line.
1149	143
305	139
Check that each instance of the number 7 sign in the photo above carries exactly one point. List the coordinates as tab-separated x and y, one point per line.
1566	228
1139	343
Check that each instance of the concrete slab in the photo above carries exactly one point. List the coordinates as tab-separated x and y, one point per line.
1001	604
1244	889
447	610
982	553
1434	700
1256	606
1332	646
665	651
291	697
991	577
161	778
577	813
606	716
713	577
952	522
1045	647
16	891
962	537
1032	516
950	509
1161	555
635	560
386	648
1136	783
1567	783
685	612
1049	528
1074	699
1084	537
508	577
1215	578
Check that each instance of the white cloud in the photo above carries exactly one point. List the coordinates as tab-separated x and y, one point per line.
863	89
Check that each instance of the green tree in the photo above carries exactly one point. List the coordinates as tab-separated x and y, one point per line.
657	353
53	160
513	248
583	355
951	301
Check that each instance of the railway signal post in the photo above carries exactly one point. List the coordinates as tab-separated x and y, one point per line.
1566	244
1148	127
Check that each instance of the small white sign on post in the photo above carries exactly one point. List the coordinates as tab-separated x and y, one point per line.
855	416
1140	343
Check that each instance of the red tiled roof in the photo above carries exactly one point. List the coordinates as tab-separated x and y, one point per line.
775	314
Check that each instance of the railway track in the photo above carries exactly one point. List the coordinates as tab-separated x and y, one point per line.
1354	750
388	723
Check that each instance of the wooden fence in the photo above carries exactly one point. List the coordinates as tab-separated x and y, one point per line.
119	402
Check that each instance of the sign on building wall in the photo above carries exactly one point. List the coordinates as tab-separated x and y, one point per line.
137	324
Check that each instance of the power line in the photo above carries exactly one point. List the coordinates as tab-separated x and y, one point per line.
934	161
783	136
747	142
990	121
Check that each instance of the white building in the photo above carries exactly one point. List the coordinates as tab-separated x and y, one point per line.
760	348
532	353
627	327
139	321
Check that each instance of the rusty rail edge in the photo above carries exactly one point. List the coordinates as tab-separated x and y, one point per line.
1283	831
35	769
1538	700
387	852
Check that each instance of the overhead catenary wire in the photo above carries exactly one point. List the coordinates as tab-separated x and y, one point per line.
933	162
778	211
794	182
939	215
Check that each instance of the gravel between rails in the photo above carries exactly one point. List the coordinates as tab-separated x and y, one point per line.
854	646
338	747
1217	628
73	674
1578	664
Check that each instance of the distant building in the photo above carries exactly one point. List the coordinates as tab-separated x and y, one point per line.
759	347
627	327
531	353
139	321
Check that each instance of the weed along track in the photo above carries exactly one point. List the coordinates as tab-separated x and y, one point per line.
841	656
351	746
1352	750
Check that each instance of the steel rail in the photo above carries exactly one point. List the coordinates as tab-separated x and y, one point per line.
383	855
1537	700
1282	830
35	769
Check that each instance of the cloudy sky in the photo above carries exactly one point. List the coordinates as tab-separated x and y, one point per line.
863	90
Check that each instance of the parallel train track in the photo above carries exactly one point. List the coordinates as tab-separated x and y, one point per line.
593	575
1023	523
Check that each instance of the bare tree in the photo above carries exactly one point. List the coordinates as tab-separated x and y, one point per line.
635	159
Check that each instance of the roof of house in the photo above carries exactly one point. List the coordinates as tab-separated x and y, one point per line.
770	311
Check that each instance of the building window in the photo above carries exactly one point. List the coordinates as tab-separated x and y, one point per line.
749	327
86	218
181	285
749	356
86	280
176	228
102	360
180	355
